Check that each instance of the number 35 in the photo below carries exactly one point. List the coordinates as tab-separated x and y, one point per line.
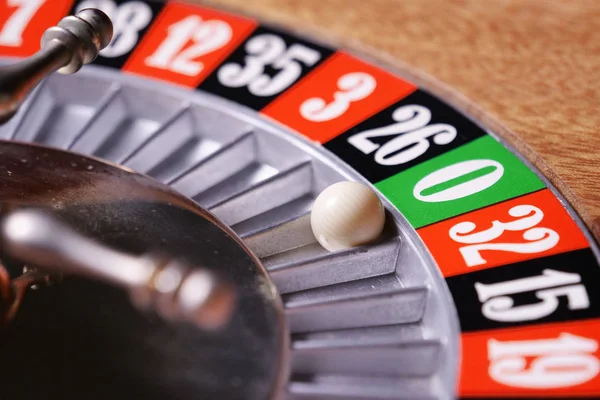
268	50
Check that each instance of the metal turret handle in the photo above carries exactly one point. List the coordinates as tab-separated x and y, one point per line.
65	48
171	287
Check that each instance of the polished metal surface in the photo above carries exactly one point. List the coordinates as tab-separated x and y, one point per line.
374	322
82	338
174	289
65	48
379	314
13	291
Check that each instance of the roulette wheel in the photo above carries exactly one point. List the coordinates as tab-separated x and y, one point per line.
247	139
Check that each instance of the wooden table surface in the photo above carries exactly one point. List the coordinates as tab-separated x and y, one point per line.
529	69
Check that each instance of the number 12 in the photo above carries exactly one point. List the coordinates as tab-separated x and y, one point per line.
206	35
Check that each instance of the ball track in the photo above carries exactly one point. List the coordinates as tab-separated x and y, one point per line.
183	145
340	387
266	194
366	302
359	318
381	350
320	270
222	164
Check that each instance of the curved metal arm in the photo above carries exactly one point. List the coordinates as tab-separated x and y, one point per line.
75	41
174	289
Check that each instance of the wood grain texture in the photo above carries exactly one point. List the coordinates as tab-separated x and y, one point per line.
529	69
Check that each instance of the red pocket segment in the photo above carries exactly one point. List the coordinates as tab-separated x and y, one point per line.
541	361
22	23
186	43
336	96
531	226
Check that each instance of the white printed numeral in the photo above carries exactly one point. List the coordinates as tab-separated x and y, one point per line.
128	20
559	363
455	171
207	36
268	50
548	287
538	239
353	87
12	32
411	136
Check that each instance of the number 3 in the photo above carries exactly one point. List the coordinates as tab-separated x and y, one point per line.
353	87
265	50
12	33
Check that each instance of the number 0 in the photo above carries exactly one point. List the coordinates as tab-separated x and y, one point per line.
459	190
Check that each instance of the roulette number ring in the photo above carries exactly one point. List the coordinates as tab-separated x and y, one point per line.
299	200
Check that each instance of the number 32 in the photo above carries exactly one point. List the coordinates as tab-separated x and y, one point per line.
528	217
